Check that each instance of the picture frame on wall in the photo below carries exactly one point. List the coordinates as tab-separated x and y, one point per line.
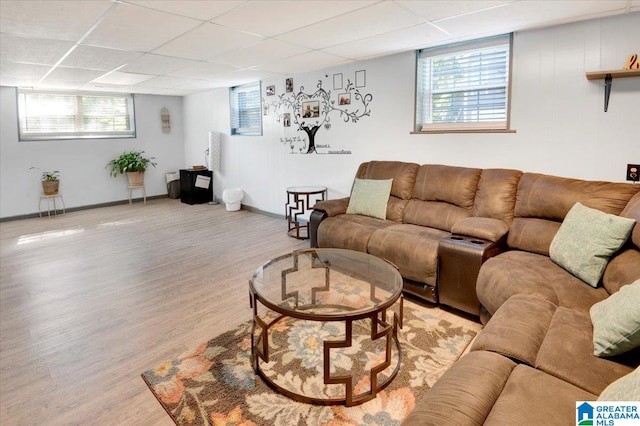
310	109
361	78
337	81
271	90
344	99
286	119
288	84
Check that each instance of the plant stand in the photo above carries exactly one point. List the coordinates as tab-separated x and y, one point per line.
50	198
144	193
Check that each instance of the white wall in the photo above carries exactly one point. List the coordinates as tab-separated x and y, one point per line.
84	180
558	116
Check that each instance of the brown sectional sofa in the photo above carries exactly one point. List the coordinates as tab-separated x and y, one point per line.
534	358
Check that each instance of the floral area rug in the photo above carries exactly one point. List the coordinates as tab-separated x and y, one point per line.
216	385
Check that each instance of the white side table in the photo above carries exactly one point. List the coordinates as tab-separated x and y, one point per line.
51	198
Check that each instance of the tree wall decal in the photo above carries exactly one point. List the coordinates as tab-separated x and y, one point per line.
312	111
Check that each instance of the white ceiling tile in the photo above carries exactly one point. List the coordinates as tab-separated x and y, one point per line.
157	64
437	9
29	50
122	78
203	10
165	82
270	18
21	75
58	20
527	14
98	58
203	70
259	53
362	23
130	27
302	63
416	37
69	78
206	42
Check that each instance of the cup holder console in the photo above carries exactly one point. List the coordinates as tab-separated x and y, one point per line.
459	260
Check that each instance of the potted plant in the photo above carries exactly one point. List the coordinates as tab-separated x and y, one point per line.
133	164
50	181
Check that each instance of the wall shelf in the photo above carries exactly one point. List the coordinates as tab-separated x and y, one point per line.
599	75
608	77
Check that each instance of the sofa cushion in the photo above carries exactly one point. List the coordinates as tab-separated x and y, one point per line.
465	393
531	396
543	201
517	329
616	322
623	269
626	388
434	214
487	388
369	197
586	240
632	210
481	227
520	272
567	353
453	185
413	249
496	195
553	339
403	175
349	231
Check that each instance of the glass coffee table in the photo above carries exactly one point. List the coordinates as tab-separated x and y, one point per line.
322	328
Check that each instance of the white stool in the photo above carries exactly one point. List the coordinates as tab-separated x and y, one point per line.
144	193
50	198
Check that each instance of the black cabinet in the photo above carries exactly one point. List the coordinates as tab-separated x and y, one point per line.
195	186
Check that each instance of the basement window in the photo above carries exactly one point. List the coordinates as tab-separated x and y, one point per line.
60	115
464	87
245	106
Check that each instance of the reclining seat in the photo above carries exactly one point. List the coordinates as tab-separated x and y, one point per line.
353	231
442	196
542	202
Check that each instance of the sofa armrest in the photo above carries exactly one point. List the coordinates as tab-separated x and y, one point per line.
333	207
481	227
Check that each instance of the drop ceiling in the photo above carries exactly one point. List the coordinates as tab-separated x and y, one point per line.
179	47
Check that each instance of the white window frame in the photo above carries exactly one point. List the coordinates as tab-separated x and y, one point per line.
246	120
469	117
36	106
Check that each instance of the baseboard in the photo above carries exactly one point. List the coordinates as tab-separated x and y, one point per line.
87	207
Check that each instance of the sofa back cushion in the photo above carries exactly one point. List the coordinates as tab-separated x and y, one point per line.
542	202
624	268
496	196
404	178
442	196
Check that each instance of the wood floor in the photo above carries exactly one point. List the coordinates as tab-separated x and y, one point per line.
90	299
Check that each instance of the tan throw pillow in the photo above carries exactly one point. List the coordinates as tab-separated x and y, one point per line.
587	239
616	321
369	197
626	388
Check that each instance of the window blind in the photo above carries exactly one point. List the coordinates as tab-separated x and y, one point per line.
464	86
51	115
245	105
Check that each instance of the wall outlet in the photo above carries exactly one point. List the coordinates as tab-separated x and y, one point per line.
633	172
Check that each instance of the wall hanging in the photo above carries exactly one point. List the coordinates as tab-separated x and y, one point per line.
165	119
312	111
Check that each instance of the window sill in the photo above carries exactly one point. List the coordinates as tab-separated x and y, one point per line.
429	132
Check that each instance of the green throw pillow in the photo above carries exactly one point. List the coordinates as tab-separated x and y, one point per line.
369	197
587	239
616	321
626	388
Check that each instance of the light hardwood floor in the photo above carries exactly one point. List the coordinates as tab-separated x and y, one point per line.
91	299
